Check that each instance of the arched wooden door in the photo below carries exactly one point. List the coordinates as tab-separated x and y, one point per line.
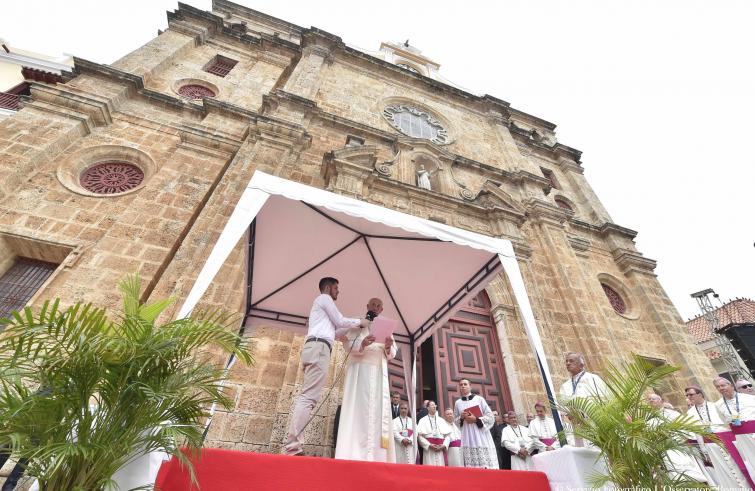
466	347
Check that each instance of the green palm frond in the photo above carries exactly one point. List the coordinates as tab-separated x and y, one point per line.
82	394
634	438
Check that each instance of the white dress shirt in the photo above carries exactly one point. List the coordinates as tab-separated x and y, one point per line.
326	322
745	402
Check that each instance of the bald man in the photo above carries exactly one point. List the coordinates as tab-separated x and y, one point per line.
581	383
365	426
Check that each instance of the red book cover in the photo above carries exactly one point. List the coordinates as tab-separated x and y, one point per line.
474	411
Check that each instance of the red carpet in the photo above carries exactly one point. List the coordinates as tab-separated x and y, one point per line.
228	470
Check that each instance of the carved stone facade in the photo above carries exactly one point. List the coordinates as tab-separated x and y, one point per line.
287	107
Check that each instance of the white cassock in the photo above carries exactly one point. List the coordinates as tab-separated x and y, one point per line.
515	438
433	430
725	471
403	428
743	406
455	459
477	447
707	413
544	429
365	429
680	462
584	384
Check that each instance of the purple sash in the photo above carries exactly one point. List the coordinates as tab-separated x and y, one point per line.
745	428
455	443
439	441
728	437
547	441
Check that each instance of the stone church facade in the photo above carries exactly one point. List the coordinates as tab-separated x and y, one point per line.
136	166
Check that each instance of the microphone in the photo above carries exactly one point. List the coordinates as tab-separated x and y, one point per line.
370	316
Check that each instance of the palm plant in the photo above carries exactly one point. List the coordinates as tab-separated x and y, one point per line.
634	438
81	395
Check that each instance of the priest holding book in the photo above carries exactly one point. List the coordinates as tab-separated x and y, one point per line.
475	420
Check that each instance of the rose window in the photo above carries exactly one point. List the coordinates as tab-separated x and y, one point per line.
194	91
111	177
416	123
615	299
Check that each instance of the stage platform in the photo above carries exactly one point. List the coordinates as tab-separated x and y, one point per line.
228	470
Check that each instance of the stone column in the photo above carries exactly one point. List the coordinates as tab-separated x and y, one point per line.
317	49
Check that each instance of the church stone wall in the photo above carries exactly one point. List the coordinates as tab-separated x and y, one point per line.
287	108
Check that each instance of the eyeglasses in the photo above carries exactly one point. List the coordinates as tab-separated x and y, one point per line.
746	386
691	394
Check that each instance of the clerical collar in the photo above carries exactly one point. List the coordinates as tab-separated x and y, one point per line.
467	398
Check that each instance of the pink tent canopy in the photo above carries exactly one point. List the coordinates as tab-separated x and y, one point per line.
422	270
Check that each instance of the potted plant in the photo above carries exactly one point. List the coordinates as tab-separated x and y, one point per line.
83	393
634	439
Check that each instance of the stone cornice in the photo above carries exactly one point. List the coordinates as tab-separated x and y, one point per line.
242	11
633	262
608	229
542	211
217	24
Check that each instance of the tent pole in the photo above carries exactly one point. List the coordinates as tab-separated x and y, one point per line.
552	403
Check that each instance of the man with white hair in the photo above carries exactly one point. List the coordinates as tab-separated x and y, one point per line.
745	387
679	462
734	407
581	382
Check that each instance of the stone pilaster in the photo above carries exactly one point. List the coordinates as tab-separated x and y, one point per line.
316	55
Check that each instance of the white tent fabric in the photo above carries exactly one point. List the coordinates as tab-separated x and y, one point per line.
424	271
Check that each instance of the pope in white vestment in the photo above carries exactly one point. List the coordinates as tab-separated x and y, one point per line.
403	431
365	430
477	447
516	439
455	459
738	410
434	434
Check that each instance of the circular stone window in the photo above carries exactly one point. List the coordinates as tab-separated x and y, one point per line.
111	177
618	303
416	123
195	91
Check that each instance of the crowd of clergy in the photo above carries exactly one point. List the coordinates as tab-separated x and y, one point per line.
450	439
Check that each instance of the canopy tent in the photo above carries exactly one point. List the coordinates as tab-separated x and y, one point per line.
422	270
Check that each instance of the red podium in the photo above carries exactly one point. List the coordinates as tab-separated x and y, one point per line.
228	470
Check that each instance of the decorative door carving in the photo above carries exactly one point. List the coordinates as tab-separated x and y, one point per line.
466	347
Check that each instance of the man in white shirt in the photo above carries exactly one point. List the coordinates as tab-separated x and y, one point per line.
581	383
543	430
325	325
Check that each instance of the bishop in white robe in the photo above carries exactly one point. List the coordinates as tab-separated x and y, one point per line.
477	447
403	436
678	462
434	435
516	439
738	410
455	459
543	430
365	429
